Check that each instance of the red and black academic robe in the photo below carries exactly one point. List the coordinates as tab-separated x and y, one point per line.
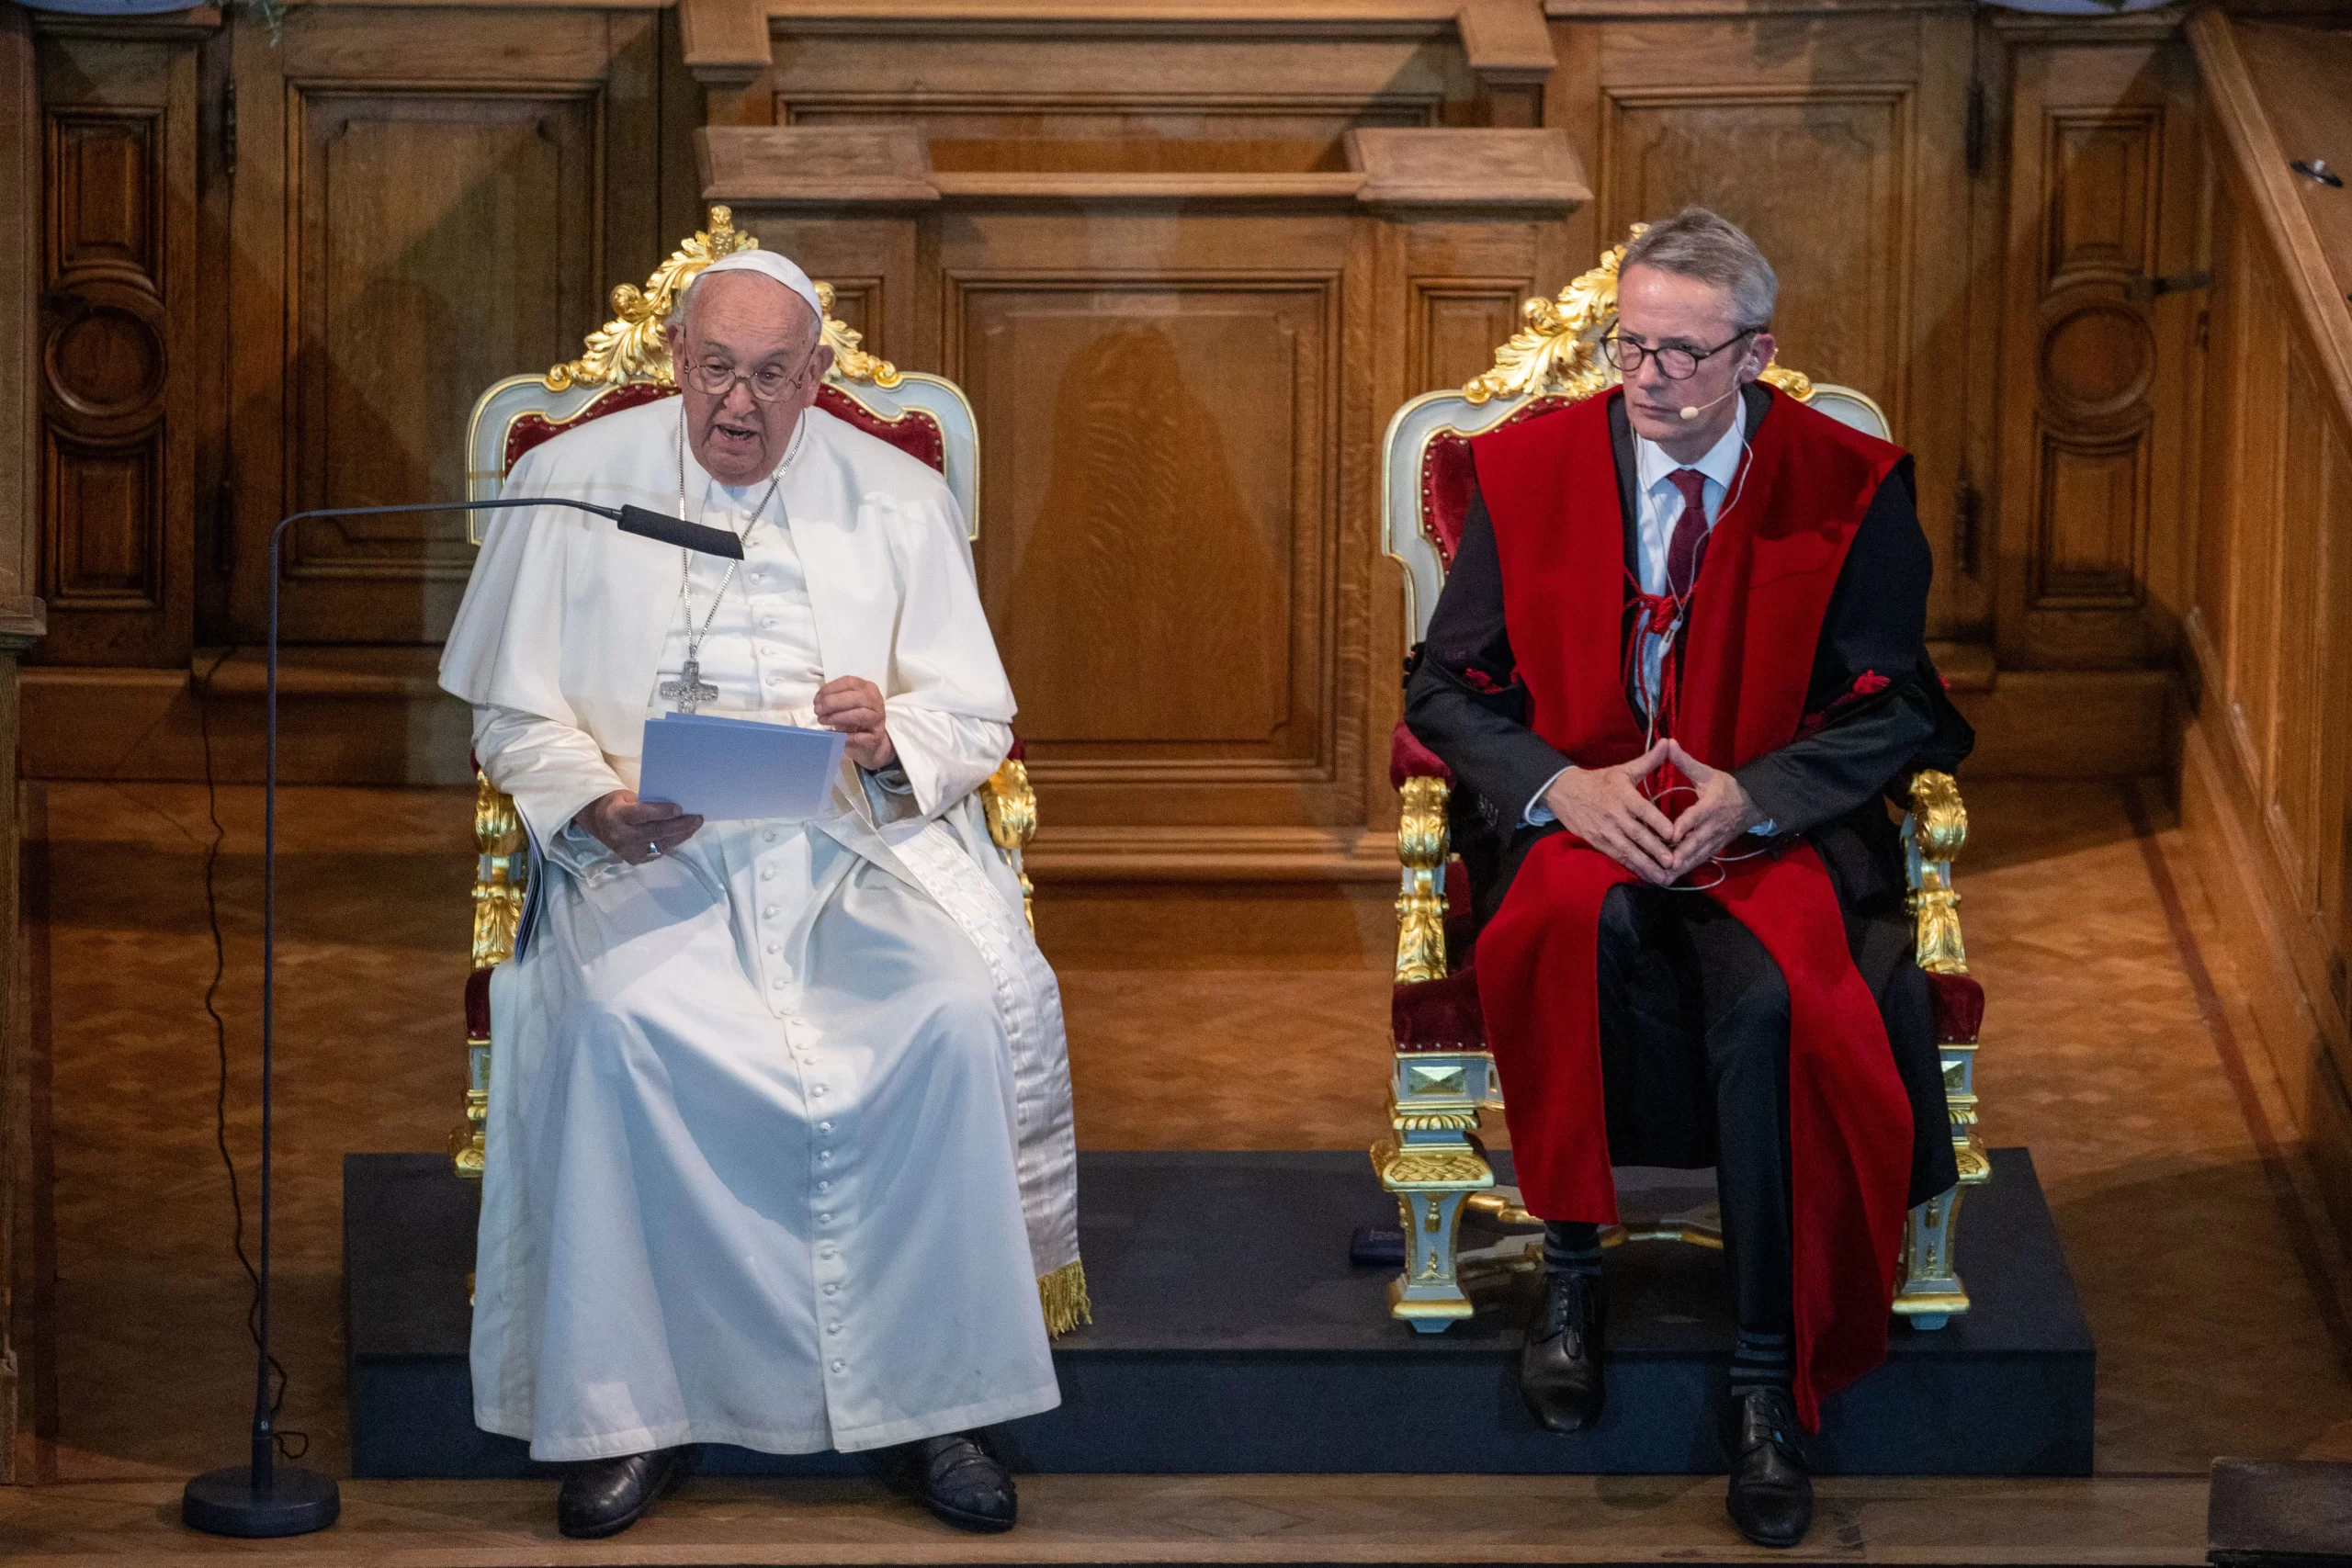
1803	668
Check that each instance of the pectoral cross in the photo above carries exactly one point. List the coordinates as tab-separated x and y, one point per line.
688	690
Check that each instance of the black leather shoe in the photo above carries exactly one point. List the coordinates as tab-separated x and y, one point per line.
1559	1363
1772	1496
605	1496
957	1480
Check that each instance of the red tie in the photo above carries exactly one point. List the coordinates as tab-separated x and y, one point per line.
1689	545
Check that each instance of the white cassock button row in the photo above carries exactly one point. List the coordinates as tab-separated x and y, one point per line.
770	911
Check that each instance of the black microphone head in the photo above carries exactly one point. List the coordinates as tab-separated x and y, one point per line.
668	530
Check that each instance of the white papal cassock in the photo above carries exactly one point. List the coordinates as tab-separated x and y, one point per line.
780	1148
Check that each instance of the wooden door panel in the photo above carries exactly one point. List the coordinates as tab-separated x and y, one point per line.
1156	517
400	239
2094	407
114	446
1832	218
1455	326
408	202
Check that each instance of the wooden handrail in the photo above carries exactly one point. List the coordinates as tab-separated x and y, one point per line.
2258	166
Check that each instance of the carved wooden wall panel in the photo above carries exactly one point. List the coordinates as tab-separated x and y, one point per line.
2311	482
1841	315
1842	150
423	205
1455	323
1159	518
115	449
407	202
1163	541
2096	366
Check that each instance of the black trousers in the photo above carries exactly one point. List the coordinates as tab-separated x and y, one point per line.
1694	1031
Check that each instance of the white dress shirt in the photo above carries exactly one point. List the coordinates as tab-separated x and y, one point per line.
1657	507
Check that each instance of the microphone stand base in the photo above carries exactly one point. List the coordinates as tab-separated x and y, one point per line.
223	1502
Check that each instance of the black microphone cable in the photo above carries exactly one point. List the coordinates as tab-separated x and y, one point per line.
287	1439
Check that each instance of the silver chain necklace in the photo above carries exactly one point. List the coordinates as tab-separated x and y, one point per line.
690	691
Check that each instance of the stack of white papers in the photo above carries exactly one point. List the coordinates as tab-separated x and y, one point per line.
734	770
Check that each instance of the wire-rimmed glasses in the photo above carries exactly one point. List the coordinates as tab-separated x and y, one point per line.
768	384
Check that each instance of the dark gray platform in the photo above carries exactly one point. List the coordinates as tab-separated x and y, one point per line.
1232	1335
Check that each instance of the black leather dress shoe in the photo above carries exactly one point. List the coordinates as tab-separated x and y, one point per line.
1772	1496
957	1480
605	1496
1559	1363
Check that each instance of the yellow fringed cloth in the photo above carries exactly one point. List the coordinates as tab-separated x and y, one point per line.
1063	1295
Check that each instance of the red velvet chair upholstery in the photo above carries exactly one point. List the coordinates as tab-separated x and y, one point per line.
627	364
1443	1076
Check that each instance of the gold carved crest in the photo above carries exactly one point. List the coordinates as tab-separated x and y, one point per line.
635	346
1557	352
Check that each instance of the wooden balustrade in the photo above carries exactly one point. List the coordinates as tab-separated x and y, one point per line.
2269	644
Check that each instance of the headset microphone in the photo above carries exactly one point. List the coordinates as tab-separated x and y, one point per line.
1689	412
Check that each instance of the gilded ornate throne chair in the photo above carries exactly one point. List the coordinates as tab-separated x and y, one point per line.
1443	1076
627	363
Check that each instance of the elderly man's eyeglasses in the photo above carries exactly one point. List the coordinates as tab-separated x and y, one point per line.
768	384
1676	361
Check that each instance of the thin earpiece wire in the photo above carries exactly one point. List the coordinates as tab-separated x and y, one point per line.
1652	692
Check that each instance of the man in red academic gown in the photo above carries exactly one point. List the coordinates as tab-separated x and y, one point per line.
1677	666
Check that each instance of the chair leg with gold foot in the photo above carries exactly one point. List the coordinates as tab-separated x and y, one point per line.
1432	1162
1931	1294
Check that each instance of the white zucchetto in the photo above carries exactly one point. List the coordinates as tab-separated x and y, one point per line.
769	264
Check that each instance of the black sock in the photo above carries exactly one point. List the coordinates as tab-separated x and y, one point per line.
1572	1247
1762	1361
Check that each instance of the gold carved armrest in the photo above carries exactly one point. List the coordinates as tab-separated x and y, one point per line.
1421	849
502	879
1012	807
1933	833
501	874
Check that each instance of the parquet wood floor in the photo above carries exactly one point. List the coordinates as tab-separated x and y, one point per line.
1173	1519
2198	1249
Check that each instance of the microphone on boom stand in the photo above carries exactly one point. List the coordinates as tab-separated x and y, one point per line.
264	1497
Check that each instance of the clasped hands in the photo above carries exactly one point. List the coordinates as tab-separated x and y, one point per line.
642	830
1606	808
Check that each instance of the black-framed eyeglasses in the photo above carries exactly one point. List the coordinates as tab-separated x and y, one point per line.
1676	362
768	384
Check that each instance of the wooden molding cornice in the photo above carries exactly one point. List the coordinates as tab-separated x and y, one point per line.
834	166
725	41
197	22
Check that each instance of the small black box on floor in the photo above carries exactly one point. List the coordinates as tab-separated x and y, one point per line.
2279	1513
1233	1334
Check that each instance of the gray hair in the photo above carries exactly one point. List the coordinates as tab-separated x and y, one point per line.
1697	243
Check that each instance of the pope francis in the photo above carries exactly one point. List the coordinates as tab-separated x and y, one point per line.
780	1149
